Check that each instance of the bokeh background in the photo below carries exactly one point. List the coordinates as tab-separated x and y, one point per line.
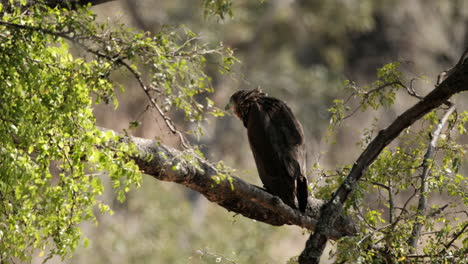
300	51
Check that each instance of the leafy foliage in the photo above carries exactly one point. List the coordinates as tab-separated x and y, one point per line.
380	93
217	7
51	151
394	183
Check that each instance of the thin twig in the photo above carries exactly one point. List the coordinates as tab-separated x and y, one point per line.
373	232
403	209
410	89
366	95
378	184
174	53
115	59
437	211
385	85
455	237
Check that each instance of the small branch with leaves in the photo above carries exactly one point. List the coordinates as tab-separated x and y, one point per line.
428	157
174	61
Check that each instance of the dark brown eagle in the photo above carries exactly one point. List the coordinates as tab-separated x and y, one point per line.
277	142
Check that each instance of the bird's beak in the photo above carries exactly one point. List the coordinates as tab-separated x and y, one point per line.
228	107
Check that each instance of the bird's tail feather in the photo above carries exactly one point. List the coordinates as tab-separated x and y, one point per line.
302	193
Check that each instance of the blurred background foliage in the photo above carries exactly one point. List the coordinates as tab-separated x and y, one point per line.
299	51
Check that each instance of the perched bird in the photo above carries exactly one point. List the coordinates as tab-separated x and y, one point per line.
277	143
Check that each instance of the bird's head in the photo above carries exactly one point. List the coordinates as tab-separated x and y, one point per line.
239	100
234	102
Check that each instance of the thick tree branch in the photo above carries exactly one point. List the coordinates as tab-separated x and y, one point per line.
456	82
232	193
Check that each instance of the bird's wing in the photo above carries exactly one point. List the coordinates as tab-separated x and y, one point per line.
276	140
282	118
287	133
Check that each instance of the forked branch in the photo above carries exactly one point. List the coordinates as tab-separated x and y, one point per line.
455	82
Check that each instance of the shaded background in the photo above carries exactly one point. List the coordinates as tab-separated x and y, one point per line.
299	51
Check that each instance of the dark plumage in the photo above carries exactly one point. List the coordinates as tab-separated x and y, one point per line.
277	142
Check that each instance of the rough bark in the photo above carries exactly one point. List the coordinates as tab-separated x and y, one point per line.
456	82
232	193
